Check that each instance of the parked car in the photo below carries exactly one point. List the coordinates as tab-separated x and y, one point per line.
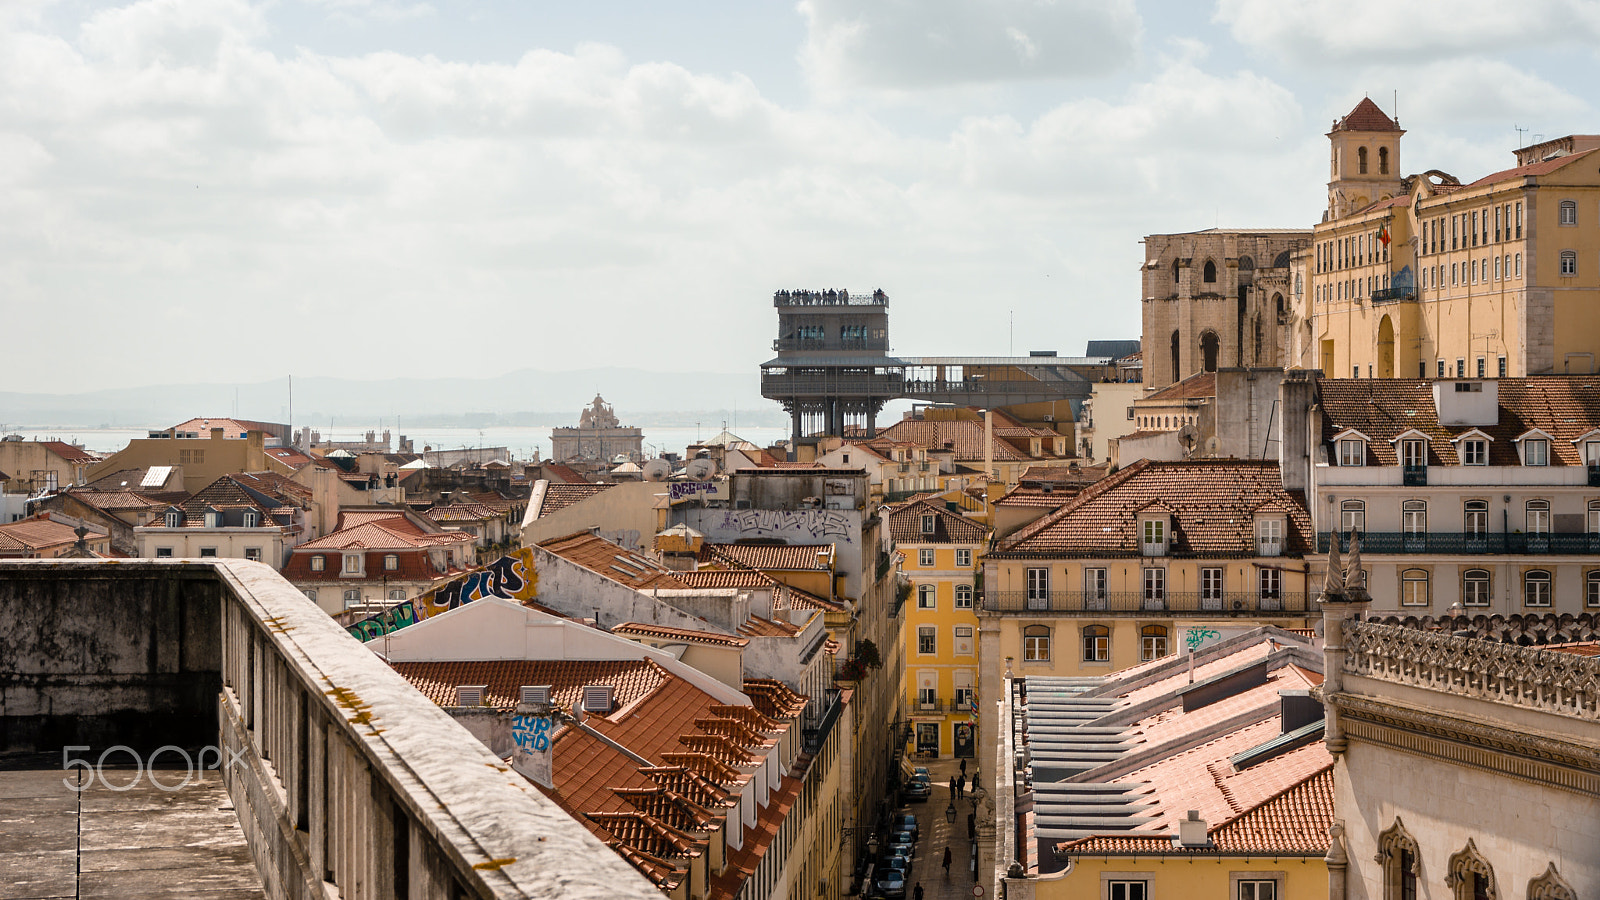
891	885
901	842
897	861
906	822
921	770
919	788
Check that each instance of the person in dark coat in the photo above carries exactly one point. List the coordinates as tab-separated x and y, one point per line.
916	893
947	863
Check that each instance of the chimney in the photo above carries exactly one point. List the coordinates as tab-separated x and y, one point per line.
1192	831
533	727
216	434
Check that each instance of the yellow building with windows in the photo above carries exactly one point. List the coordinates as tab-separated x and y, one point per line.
943	556
1425	276
1159	558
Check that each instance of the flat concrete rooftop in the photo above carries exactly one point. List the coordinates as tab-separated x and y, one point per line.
139	844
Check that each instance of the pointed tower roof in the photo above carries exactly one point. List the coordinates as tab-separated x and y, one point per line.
1366	117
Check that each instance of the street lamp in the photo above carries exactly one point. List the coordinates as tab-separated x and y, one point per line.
950	813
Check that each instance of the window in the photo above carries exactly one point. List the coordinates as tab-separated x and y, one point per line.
208	552
1414	587
1536	587
927	639
352	563
1036	643
1361	160
1155	588
963	596
1154	537
1152	642
1461	367
1039	588
1441	368
163	553
352	598
1475	587
311	595
1352	451
1257	890
1502	367
1094	585
1569	263
318	563
928	524
1569	212
963	559
1475	452
1127	890
1414	516
1536	452
925	596
1352	516
251	518
1591	590
964	640
253	554
925	558
1475	517
1594	516
1210	272
397	595
1397	853
1269	537
1481	369
1211	587
1537	515
1269	582
391	562
1096	643
174	519
1413	454
928	697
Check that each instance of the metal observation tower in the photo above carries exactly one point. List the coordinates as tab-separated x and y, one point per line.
833	369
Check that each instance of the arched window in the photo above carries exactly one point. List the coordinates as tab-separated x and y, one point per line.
1537	515
1383	160
352	597
1361	160
1208	351
1569	212
1174	271
1096	643
1036	643
1414	587
1536	588
1177	373
174	519
963	596
1475	518
926	596
1152	642
1352	516
1471	877
1551	886
1210	275
1397	853
1569	263
1414	517
1475	587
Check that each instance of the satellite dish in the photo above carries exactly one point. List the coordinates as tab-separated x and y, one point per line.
1187	436
701	469
1212	443
657	470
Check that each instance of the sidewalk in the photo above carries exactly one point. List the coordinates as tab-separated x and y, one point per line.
938	834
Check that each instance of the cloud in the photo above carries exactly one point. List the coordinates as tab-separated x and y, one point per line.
907	46
357	11
1324	32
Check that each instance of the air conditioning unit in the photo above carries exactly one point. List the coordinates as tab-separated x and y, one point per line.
598	698
536	694
470	694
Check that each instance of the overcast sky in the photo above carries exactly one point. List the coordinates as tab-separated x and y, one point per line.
226	190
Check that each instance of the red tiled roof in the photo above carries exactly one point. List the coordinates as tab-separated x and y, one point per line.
743	863
642	629
905	524
1207	499
614	561
1021	496
1532	170
1565	406
785	595
1366	117
114	500
411	567
381	531
758	626
631	679
39	532
68	452
782	557
774	699
461	512
559	496
965	434
291	457
1198	385
567	474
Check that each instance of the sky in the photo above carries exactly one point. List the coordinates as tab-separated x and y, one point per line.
200	191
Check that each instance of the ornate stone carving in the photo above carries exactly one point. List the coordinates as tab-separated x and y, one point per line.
1466	863
1550	886
1561	683
1517	628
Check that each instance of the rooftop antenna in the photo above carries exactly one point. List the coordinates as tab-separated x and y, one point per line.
1397	106
1520	132
1011	335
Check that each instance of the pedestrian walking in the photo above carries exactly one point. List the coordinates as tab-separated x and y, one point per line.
972	826
917	892
947	864
963	767
959	784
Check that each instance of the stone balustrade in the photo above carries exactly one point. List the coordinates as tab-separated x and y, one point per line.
1548	681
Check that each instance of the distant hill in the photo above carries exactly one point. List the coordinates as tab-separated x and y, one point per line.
523	397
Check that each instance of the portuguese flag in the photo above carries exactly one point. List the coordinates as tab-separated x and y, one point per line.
1383	235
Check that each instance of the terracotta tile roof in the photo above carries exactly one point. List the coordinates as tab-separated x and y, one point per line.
274	484
231	428
1074	473
1565	406
132	480
632	679
774	699
560	496
642	629
461	512
385	531
1021	496
494	501
744	862
781	557
115	500
1208	500
669	807
40	532
646	833
68	452
690	785
1201	384
1543	167
1577	648
412	566
1366	116
786	597
752	717
758	626
965	434
905	525
567	474
614	561
237	493
290	457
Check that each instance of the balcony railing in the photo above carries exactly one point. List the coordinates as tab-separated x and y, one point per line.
783	344
1134	603
926	708
1393	295
1462	543
1414	476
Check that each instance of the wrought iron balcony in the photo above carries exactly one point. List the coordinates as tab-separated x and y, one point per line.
1138	603
925	707
1414	476
1456	543
1393	295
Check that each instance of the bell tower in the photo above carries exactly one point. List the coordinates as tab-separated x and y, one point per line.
1364	162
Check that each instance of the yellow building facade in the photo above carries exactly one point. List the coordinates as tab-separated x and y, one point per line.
1430	277
943	557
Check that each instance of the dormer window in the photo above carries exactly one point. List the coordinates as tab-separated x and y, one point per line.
251	518
1413	453
928	524
213	519
352	564
391	562
1475	452
1352	452
1269	537
1535	448
1589	447
319	563
174	519
1153	537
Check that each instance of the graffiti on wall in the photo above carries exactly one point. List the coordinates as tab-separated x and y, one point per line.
817	524
678	490
511	577
1195	638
